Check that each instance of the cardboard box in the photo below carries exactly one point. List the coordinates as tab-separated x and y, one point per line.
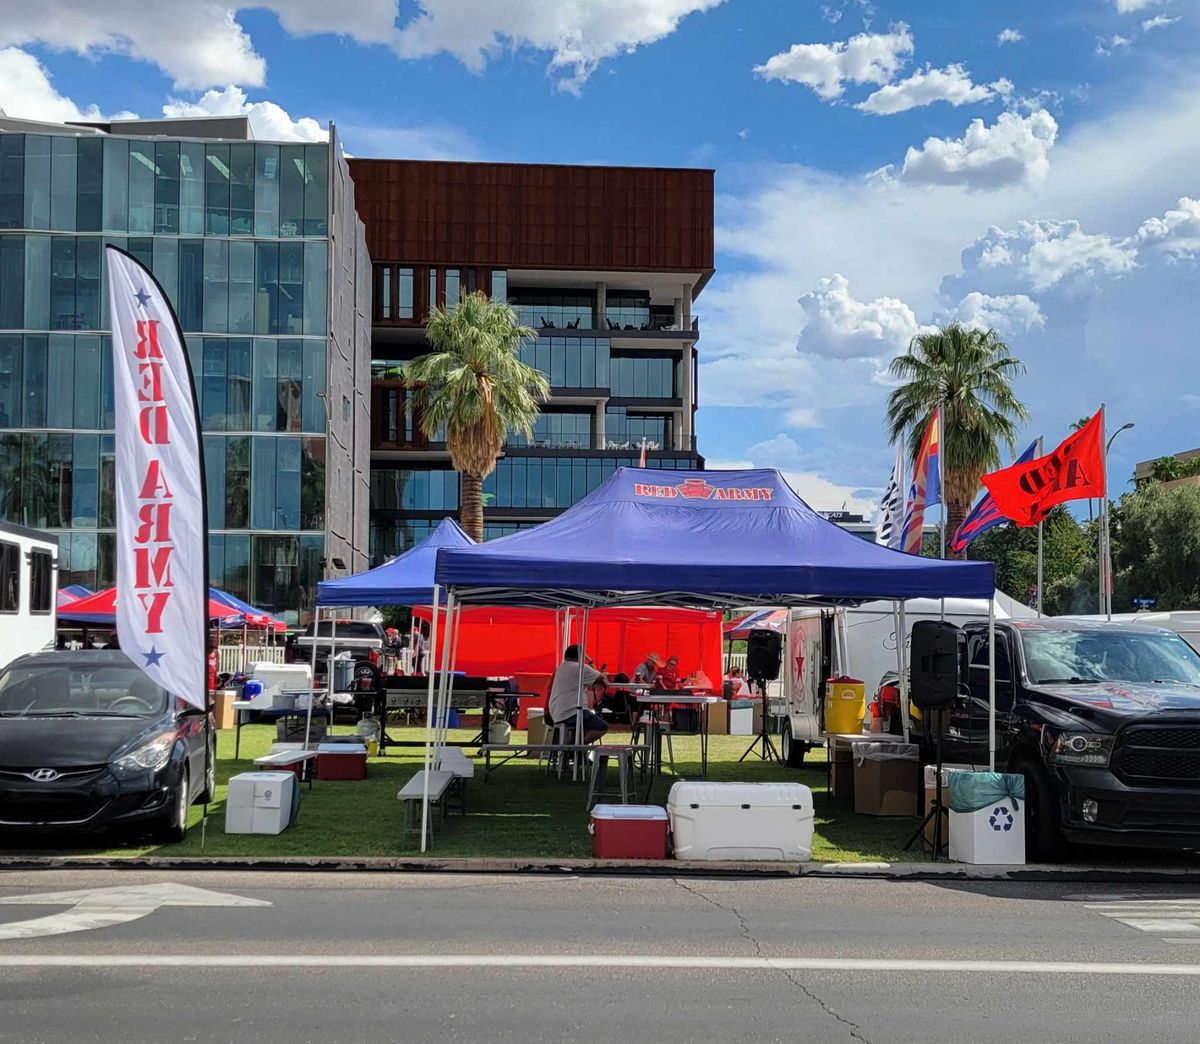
260	802
885	779
842	776
741	721
224	716
537	727
758	717
718	718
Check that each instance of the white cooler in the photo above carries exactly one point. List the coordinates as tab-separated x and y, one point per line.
259	802
741	820
276	677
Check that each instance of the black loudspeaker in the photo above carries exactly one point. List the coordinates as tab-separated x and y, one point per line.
934	664
764	650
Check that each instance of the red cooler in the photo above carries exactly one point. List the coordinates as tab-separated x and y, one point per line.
629	832
341	761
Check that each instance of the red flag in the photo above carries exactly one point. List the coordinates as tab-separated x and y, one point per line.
1073	471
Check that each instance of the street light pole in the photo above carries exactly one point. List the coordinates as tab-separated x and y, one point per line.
1105	537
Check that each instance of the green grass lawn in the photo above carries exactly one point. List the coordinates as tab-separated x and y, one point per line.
519	812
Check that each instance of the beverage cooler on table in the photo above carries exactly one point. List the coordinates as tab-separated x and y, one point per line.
845	705
772	821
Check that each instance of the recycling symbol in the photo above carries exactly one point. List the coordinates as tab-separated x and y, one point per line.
1001	819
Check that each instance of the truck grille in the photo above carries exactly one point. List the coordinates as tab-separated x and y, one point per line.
1159	755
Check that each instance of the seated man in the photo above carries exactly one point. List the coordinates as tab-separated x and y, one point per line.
564	696
646	671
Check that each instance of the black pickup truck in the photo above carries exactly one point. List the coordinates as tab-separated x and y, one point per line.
1103	720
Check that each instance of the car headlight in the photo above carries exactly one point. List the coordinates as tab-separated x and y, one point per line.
1080	748
148	756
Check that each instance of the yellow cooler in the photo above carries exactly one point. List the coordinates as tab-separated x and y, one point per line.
845	705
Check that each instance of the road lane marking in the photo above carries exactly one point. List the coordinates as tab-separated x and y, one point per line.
93	908
157	962
1175	919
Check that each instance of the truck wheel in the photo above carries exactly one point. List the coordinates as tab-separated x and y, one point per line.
1043	838
791	752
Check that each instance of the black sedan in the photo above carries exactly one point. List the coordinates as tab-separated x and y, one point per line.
88	742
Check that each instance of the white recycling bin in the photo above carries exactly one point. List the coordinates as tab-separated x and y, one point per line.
771	821
259	802
991	831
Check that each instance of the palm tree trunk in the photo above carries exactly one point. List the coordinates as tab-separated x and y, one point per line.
956	511
470	512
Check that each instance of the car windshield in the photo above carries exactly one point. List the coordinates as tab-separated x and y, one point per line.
1109	655
75	690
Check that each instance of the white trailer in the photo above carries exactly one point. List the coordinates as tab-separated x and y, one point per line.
28	588
859	643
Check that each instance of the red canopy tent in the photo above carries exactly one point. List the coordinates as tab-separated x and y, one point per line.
101	609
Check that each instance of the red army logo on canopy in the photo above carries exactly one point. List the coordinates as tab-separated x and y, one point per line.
699	489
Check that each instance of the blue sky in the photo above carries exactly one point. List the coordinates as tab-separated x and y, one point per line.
880	167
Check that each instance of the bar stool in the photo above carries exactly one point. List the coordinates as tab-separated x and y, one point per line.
600	757
561	733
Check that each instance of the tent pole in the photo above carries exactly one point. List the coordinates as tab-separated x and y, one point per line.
245	655
443	675
454	623
312	695
992	685
902	666
429	712
579	692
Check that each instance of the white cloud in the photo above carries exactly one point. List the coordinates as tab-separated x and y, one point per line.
826	68
1006	36
27	93
1177	232
1013	149
844	328
578	34
1106	45
1127	6
268	121
783	453
1158	22
431	141
926	86
1007	314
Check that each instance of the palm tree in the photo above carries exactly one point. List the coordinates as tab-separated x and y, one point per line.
474	385
969	374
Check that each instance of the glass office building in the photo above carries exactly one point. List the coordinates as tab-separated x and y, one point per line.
247	238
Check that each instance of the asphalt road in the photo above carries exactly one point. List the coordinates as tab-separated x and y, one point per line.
367	957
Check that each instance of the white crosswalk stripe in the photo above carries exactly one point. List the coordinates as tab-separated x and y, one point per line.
1177	919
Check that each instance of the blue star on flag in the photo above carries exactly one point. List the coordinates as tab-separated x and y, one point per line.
142	297
152	657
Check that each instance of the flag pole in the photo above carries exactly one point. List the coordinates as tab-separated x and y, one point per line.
1040	587
1102	537
941	439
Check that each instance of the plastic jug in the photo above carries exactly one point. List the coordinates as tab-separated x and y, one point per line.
845	705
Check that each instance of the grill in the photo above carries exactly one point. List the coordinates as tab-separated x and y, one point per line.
1162	755
43	807
1162	813
76	775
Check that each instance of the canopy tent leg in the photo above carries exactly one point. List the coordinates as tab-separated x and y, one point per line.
992	685
583	630
245	652
443	675
454	629
429	717
313	684
902	665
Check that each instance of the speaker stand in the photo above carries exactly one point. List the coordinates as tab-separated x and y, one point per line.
935	813
763	739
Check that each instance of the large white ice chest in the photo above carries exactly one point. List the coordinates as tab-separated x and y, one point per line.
259	802
741	820
275	678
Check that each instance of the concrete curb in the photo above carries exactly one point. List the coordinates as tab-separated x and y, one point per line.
948	872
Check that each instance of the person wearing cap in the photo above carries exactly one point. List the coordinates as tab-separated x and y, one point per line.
647	670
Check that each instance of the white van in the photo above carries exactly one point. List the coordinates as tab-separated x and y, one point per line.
28	574
859	643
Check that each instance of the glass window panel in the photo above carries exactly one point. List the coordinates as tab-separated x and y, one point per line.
214	488
266	190
87	382
266	287
266	392
404	293
12	180
37	181
216	286
291	190
142	248
62	183
313	411
12	278
216	190
10	382
142	173
503	486
191	188
316	190
499	285
10	473
241	287
106	383
34	485
453	284
37	283
59	480
212	384
87	284
316	288
89	213
191	284
115	210
85	492
237	566
291	289
312	484
241	189
108	482
290	372
433	297
34	381
238	386
60	381
549	483
519	494
562	496
579	488
166	186
558	362
237	483
262	484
